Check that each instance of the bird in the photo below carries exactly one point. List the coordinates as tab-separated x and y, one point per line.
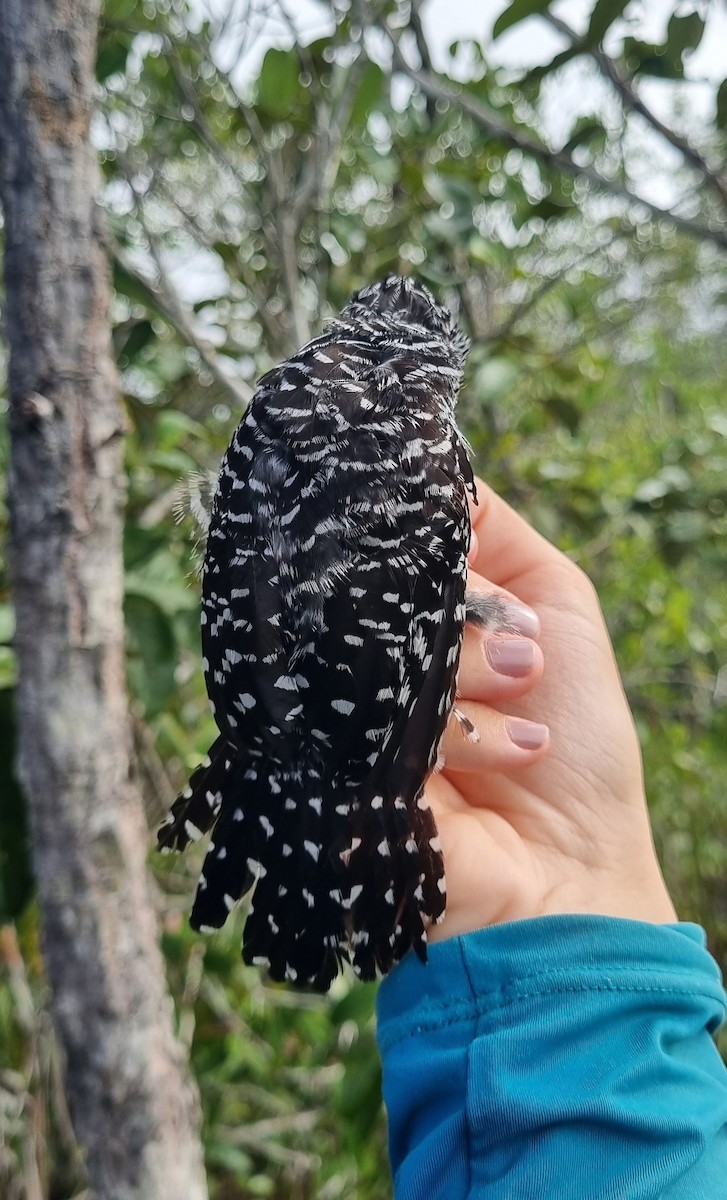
332	618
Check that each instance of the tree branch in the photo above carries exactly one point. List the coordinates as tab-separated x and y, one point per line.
284	227
495	127
322	161
176	313
415	22
634	102
519	311
206	239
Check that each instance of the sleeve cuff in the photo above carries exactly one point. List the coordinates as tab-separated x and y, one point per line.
558	1057
476	972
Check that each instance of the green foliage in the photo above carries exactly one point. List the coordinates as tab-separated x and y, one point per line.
246	209
603	15
517	11
665	60
289	1082
278	85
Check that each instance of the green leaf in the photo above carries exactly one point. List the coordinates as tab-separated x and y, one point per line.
176	461
683	35
564	412
8	667
535	76
721	113
161	584
278	85
368	93
547	209
516	12
586	131
7	624
357	1005
358	1093
605	12
132	287
648	58
120	10
140	334
665	62
112	54
687	527
234	1161
151	658
670	481
482	250
494	378
173	428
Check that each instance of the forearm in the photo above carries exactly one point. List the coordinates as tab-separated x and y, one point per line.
562	1057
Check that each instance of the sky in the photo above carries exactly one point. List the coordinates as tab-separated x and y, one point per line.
530	43
565	96
574	91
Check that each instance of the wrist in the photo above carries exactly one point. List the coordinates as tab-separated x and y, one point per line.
638	894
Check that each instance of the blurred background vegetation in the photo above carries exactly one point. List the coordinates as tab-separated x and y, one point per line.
557	178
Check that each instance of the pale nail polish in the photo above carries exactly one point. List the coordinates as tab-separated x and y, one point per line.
522	618
528	735
514	658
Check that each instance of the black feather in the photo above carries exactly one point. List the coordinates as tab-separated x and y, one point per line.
333	615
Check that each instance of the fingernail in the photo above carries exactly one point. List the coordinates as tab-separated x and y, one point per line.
528	735
512	657
522	618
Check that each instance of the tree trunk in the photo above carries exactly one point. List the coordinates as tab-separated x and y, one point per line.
134	1108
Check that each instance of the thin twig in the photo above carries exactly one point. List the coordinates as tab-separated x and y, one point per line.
176	313
207	239
497	128
634	102
323	160
415	22
284	228
298	1161
200	123
546	285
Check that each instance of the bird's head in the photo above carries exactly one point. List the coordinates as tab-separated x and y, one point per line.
406	302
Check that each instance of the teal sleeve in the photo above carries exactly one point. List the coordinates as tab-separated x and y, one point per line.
561	1058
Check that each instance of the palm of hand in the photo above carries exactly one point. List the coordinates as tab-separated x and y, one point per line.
559	829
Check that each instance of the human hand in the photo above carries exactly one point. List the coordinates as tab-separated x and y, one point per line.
559	824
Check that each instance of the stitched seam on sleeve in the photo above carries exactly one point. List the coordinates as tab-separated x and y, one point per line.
468	1133
467	1011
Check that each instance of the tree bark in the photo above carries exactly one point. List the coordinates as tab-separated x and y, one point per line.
134	1107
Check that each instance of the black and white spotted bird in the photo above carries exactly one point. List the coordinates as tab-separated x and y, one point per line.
332	621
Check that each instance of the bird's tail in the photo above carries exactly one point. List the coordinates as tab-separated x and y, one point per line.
196	808
339	876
